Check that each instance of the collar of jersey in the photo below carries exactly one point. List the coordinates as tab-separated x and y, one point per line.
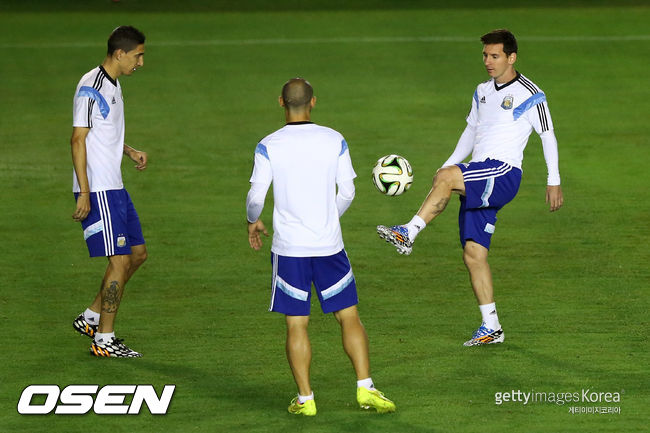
503	86
108	77
302	122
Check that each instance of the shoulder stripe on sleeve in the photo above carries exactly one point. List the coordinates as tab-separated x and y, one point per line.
529	103
261	149
344	147
94	94
476	97
91	104
541	111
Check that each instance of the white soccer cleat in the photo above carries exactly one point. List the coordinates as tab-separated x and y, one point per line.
398	236
484	335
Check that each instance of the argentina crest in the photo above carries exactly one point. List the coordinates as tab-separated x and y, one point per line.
507	102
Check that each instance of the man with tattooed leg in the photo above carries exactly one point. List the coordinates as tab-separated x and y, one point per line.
109	220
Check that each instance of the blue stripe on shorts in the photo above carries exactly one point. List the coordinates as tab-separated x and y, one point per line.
112	227
489	185
293	277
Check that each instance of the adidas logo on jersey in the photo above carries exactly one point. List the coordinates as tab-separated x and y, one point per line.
113	101
483	100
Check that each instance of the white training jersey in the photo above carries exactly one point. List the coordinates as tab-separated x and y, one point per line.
98	105
504	117
304	161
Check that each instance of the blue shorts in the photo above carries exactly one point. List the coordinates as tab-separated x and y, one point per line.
112	227
292	278
489	185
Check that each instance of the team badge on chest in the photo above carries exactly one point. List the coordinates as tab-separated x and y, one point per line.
507	102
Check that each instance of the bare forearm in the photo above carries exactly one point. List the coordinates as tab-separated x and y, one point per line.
129	151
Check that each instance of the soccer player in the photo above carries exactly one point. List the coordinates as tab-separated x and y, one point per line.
110	223
505	110
306	162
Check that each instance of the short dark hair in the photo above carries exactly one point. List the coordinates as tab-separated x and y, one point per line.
501	36
297	93
124	38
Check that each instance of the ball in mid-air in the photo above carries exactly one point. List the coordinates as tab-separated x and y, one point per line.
392	175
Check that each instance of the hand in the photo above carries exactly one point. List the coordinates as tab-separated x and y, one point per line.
254	230
554	197
140	160
83	207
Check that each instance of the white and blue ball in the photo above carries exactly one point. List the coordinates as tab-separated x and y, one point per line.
392	175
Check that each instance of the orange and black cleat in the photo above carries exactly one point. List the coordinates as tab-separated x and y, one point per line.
83	327
114	348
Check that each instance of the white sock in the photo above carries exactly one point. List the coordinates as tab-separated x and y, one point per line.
490	317
91	317
104	337
303	398
415	226
365	383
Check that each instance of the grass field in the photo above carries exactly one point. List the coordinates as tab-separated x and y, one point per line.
393	77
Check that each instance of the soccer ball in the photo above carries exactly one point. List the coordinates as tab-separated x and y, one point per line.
392	175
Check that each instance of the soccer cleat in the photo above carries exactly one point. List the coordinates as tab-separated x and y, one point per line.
484	335
398	236
308	408
113	349
374	399
83	327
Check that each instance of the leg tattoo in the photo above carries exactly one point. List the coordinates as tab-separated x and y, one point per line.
110	297
441	205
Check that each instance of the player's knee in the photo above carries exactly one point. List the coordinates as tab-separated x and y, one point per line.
445	176
138	256
437	178
119	264
474	255
119	260
141	257
297	323
472	262
347	314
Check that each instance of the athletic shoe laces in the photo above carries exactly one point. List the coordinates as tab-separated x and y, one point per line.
483	330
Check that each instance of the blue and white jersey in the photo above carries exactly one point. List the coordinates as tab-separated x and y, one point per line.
503	117
304	161
98	105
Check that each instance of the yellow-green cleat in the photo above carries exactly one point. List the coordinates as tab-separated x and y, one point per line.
374	399
308	408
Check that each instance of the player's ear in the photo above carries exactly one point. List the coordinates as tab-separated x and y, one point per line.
280	101
312	102
117	54
512	58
